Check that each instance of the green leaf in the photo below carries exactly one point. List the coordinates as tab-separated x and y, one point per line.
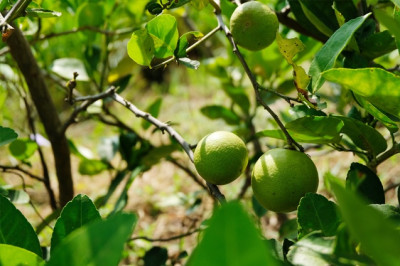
370	227
42	13
92	167
227	8
65	67
326	57
239	96
316	129
156	256
90	14
377	44
189	63
313	249
15	229
378	114
7	135
15	196
199	4
23	149
316	213
231	239
363	136
141	47
16	256
388	21
153	109
164	32
75	214
97	243
317	18
362	180
220	112
183	42
376	85
396	2
390	212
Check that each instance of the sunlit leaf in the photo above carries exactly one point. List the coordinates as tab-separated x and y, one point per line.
23	149
141	47
16	256
326	57
376	85
289	47
164	32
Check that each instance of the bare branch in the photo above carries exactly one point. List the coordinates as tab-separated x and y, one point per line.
165	127
11	169
87	101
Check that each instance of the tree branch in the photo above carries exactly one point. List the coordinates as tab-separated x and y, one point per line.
165	127
11	169
291	142
22	54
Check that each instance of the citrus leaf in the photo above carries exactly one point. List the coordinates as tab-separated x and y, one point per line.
378	114
16	256
220	112
318	20
75	214
15	229
238	96
156	256
23	149
315	129
369	226
183	42
65	67
90	14
363	136
92	167
314	249
316	213
231	239
7	135
42	13
189	63
141	47
376	85
164	32
97	243
15	196
289	47
327	55
362	180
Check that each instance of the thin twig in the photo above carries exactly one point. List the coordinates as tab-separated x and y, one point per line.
188	172
384	156
190	48
165	127
165	239
291	142
11	169
87	101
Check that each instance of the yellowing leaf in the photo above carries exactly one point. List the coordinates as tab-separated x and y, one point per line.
289	47
301	79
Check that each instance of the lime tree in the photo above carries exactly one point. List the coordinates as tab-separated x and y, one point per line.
281	177
253	25
220	157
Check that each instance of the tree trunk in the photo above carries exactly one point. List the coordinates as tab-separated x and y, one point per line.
22	54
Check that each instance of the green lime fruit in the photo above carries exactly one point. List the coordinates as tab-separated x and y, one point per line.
282	177
254	25
220	157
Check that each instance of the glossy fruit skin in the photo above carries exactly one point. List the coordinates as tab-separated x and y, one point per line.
220	157
281	177
253	25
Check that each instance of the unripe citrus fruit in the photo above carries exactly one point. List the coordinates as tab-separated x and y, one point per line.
282	177
253	25
220	157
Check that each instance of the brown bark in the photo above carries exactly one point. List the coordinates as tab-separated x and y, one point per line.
22	54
